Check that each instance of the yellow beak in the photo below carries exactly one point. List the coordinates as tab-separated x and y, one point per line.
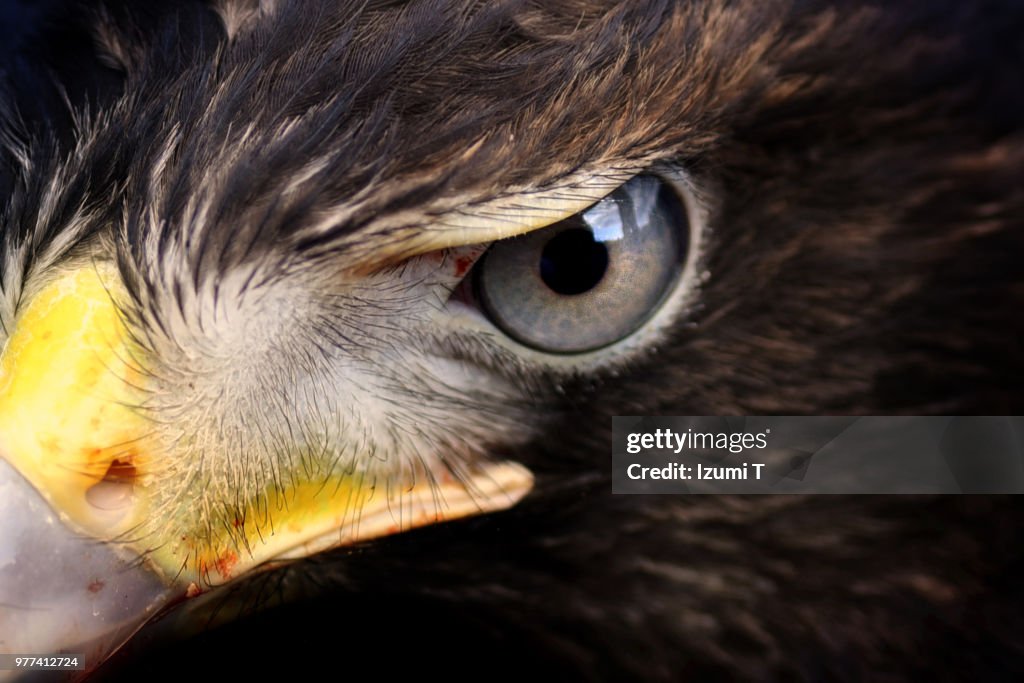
67	396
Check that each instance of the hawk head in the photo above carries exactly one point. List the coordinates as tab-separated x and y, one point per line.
279	277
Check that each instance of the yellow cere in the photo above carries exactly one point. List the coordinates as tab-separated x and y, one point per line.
65	393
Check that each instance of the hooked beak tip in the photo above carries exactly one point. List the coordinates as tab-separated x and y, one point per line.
61	592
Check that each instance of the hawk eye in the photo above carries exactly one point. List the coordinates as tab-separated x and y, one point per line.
592	279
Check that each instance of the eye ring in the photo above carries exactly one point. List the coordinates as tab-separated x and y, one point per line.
595	278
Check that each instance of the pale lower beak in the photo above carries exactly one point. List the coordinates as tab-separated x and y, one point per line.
61	592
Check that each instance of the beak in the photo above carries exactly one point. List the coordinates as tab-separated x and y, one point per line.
60	591
79	467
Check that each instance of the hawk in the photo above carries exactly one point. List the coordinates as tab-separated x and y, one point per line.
315	316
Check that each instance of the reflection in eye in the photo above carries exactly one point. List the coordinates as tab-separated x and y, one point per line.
592	279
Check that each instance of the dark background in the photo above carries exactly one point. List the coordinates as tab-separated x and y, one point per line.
15	17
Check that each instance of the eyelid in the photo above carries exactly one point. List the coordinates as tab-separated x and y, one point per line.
514	213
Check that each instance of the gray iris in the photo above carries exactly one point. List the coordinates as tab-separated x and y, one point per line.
592	279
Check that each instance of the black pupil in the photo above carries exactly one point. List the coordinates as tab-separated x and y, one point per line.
573	262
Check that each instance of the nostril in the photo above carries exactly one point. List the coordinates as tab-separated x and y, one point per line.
114	491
